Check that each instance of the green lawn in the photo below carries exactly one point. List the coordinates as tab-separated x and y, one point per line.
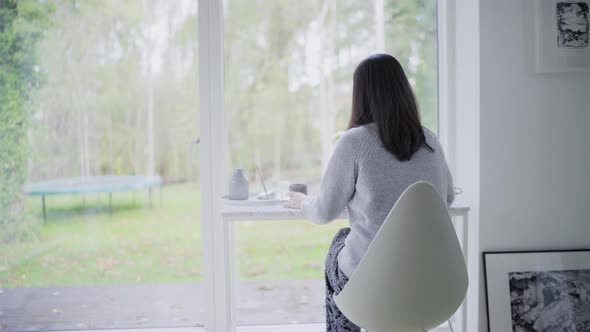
81	244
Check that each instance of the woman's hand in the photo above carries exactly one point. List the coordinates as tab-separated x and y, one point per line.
295	200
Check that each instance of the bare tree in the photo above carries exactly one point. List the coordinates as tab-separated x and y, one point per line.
150	149
379	13
326	70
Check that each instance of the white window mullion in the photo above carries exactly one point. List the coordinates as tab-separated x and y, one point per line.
213	165
445	80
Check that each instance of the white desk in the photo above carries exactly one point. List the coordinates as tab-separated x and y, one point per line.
232	214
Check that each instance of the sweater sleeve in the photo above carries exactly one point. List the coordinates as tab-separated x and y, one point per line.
338	184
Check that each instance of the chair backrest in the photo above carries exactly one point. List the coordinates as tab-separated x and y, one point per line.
413	276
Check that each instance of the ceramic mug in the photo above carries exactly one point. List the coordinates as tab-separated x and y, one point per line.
298	188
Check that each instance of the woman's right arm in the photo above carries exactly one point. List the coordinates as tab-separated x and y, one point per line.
338	184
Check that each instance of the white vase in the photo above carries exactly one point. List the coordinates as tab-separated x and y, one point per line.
239	187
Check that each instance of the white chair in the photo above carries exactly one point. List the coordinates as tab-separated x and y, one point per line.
413	276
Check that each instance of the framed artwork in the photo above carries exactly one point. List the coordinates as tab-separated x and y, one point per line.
538	291
562	36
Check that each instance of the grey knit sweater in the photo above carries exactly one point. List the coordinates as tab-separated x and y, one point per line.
367	179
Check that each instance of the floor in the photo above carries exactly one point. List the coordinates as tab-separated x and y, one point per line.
257	328
278	306
304	328
155	306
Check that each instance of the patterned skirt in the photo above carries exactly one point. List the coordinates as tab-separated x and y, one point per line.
335	281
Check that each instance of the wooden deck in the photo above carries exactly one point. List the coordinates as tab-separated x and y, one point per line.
155	306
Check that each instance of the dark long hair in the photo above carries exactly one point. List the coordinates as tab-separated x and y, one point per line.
382	94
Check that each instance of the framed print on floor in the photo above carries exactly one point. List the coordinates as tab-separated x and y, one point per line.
562	36
538	291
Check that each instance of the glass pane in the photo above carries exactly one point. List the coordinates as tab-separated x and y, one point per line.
100	203
288	80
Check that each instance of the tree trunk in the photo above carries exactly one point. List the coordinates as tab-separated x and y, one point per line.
150	146
110	142
150	139
138	135
327	96
86	140
278	142
83	129
176	159
80	136
83	119
325	136
332	70
378	8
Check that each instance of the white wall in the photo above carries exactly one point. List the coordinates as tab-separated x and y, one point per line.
534	141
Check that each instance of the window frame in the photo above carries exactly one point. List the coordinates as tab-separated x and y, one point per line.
214	147
213	138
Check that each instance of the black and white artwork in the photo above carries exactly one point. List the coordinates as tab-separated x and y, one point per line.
572	24
538	291
550	301
562	36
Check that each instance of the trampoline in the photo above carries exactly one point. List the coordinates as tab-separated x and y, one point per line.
92	184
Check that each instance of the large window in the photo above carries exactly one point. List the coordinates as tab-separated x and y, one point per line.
109	112
100	207
288	83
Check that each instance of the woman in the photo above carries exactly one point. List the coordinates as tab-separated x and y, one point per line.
385	150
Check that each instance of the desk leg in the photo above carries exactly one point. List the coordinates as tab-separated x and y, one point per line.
231	277
234	273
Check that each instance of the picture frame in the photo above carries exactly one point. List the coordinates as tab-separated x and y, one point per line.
537	291
562	36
